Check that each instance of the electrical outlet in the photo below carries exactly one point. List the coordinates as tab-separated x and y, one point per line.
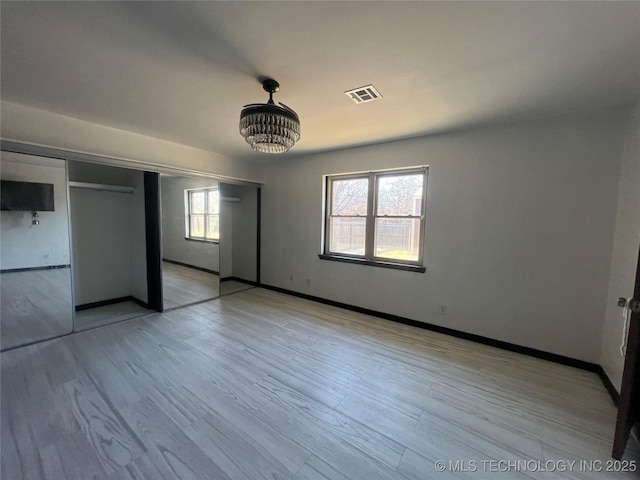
442	310
308	282
291	278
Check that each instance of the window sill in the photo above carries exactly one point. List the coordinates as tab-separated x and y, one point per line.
374	263
201	241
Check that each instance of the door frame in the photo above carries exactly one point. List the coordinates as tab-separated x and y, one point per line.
629	403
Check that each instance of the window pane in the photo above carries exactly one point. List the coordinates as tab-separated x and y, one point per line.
349	197
213	201
400	194
196	226
348	235
397	238
213	228
197	202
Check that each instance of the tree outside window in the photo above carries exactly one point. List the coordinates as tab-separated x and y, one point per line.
377	216
203	214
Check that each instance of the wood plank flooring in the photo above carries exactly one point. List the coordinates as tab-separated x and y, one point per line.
36	304
96	317
233	286
183	285
261	385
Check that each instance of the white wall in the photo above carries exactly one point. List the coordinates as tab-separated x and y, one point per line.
625	250
31	125
519	230
108	231
47	244
103	174
238	231
101	240
174	245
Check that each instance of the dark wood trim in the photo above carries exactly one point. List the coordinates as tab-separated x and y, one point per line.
629	403
532	352
140	302
628	408
102	303
374	263
202	269
606	381
242	280
33	269
258	240
111	301
152	219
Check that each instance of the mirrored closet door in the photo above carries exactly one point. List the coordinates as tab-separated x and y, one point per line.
88	244
191	230
239	255
35	278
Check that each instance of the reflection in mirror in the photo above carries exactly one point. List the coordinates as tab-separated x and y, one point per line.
109	244
239	237
190	239
35	259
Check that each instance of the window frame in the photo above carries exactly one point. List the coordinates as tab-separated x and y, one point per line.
369	257
187	206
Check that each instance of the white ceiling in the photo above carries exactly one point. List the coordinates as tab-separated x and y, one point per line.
182	71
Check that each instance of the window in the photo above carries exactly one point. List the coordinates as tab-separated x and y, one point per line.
202	220
376	218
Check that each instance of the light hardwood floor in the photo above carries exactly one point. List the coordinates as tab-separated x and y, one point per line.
233	286
263	385
36	304
183	285
98	316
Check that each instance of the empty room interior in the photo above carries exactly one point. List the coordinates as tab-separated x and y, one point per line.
320	240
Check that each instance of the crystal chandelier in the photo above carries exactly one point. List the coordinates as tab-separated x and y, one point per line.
267	127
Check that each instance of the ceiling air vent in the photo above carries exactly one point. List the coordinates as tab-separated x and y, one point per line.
368	93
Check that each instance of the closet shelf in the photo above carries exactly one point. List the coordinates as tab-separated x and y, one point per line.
101	187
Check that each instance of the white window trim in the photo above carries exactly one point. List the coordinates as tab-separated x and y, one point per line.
187	216
369	257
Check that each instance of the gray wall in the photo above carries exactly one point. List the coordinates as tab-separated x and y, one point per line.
519	230
244	226
174	245
625	250
108	231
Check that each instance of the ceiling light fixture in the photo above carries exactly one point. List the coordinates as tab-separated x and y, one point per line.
267	127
